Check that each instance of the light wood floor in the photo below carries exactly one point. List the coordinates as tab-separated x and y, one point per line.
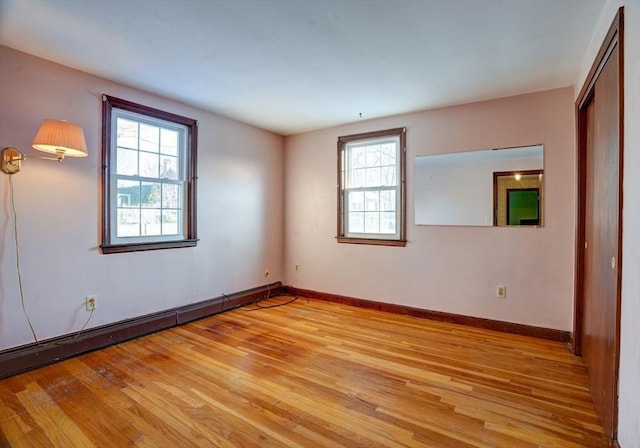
303	375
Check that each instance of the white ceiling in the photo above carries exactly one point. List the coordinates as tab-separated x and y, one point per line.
291	66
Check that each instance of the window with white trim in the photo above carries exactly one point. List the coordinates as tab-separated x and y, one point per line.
371	188
149	161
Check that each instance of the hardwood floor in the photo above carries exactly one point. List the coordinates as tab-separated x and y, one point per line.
308	374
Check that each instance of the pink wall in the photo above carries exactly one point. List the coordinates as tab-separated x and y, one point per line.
452	269
240	211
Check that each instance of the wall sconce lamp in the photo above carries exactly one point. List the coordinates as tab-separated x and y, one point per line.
54	136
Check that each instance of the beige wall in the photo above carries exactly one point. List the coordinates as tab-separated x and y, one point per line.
452	269
629	384
240	211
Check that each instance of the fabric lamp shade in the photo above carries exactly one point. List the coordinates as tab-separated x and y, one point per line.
61	138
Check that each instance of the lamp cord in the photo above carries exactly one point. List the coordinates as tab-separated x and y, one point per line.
15	237
75	338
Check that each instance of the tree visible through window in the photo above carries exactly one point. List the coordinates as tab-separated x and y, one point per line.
371	188
149	178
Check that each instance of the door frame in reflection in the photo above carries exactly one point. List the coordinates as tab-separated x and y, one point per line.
505	181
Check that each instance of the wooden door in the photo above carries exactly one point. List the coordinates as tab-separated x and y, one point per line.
598	308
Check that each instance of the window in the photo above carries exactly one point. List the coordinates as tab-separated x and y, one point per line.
371	188
149	178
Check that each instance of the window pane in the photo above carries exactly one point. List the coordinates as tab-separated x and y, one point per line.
356	222
170	196
373	155
169	168
149	138
357	178
388	154
356	201
388	175
127	162
150	222
373	177
128	222
127	133
372	201
170	222
149	164
150	195
128	193
358	157
387	222
169	142
372	222
388	200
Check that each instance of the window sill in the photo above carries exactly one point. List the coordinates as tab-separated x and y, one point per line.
372	241
137	247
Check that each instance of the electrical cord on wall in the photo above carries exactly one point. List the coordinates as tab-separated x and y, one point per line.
20	287
15	238
75	338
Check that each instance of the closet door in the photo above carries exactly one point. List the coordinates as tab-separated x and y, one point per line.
599	304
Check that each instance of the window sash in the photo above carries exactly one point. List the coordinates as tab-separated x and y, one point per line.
350	169
161	209
141	235
364	234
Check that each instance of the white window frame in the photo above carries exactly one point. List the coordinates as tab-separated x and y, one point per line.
346	145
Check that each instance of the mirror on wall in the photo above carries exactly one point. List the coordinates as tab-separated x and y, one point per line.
493	187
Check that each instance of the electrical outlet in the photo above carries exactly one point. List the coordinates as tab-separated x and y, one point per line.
266	273
501	292
90	303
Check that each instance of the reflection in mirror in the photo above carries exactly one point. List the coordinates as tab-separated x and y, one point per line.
516	198
499	187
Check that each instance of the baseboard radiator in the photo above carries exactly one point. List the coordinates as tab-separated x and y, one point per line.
31	356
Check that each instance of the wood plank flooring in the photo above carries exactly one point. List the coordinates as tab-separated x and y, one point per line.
304	375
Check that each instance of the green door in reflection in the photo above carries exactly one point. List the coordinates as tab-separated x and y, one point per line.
523	207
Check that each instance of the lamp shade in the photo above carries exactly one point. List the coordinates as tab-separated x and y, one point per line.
61	138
